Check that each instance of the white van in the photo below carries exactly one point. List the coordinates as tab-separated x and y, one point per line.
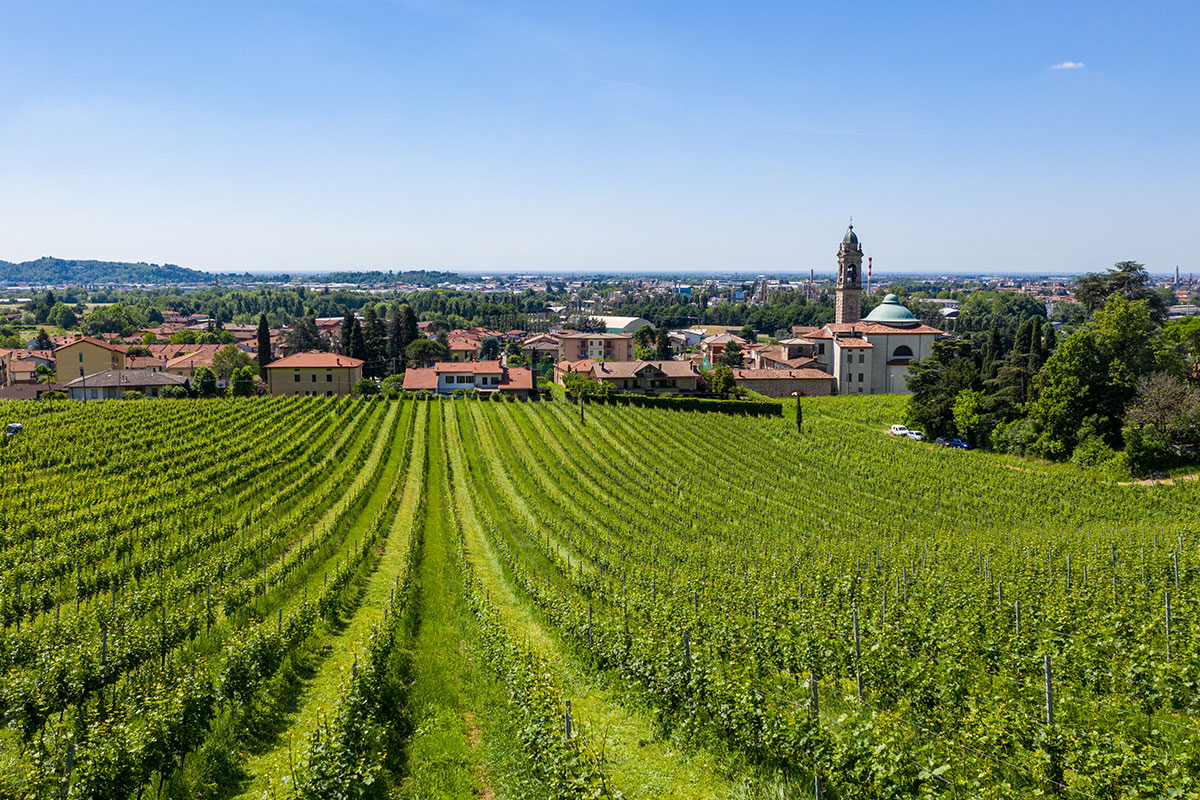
899	430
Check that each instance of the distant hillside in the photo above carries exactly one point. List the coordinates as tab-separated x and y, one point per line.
68	272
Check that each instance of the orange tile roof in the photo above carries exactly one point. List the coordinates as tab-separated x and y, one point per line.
315	359
487	367
417	380
806	374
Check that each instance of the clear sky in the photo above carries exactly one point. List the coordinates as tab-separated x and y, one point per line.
317	134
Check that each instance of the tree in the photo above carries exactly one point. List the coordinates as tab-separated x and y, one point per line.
935	383
43	374
425	351
1050	339
731	356
1005	311
62	316
489	349
722	382
304	336
512	353
1094	373
230	358
42	340
1127	279
264	342
366	387
392	386
243	382
662	347
748	333
374	334
204	382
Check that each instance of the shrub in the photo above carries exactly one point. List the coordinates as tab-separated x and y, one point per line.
366	387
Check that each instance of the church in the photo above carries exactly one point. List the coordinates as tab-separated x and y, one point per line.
872	355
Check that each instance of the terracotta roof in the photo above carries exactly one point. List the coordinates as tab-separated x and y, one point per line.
143	362
724	338
22	366
416	380
582	365
806	374
517	379
852	343
629	369
91	340
315	359
192	360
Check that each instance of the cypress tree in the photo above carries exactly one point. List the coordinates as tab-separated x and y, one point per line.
395	341
264	343
1051	340
1021	345
375	338
358	345
348	320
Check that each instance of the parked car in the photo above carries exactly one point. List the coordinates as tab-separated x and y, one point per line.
916	436
899	430
961	444
942	441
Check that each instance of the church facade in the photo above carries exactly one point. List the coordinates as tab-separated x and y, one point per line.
872	355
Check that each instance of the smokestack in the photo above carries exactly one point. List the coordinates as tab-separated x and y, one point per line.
869	265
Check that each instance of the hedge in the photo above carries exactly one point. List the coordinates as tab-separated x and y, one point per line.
755	408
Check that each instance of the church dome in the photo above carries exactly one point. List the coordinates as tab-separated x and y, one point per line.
890	312
851	237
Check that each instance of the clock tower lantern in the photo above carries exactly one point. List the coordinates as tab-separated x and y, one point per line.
848	294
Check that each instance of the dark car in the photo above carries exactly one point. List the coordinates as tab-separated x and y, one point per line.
960	444
942	441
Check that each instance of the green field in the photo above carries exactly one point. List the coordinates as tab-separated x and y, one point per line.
342	598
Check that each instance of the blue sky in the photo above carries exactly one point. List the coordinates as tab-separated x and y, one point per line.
319	134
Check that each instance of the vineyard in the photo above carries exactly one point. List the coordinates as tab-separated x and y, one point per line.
327	598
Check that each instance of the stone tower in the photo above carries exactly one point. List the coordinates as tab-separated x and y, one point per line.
848	300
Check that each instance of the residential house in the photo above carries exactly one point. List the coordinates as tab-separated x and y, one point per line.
445	377
86	355
635	377
313	373
575	346
712	347
112	384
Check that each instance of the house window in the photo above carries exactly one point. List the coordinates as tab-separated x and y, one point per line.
296	377
862	356
81	358
314	378
329	377
903	351
821	348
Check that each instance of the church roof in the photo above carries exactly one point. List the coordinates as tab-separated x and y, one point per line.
890	312
851	237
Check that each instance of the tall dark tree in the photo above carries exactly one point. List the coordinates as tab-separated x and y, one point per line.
1050	341
1127	279
395	345
375	339
935	382
264	343
347	333
662	347
731	356
358	345
489	349
304	335
42	340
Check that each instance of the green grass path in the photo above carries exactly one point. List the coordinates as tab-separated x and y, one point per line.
272	769
462	745
642	764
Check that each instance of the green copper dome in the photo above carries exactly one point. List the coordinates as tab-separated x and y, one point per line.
890	312
851	237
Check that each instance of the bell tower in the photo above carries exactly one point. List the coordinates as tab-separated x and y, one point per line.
848	294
